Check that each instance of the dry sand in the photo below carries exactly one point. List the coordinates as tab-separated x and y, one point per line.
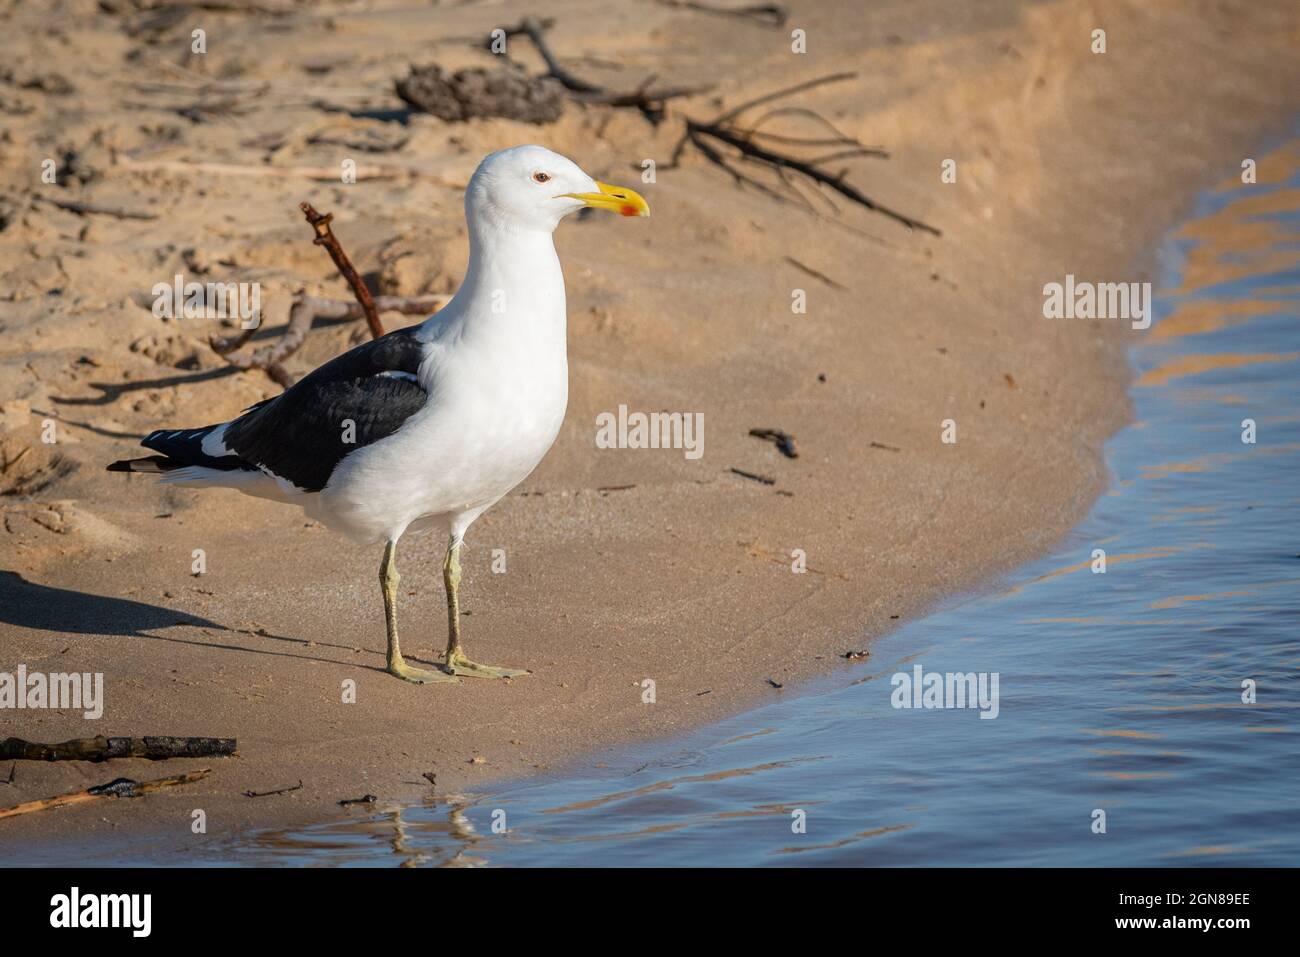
621	565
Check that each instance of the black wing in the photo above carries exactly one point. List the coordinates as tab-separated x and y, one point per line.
303	434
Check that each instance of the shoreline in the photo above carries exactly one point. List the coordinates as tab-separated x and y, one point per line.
722	616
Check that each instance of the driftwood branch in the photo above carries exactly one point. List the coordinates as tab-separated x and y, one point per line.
728	144
154	748
302	315
118	788
646	97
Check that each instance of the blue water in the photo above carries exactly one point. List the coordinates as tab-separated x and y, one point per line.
1120	692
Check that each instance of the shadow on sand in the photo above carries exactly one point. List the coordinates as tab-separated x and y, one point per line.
45	608
68	612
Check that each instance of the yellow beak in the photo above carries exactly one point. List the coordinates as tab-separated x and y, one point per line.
620	199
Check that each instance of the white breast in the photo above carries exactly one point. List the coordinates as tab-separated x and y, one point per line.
498	389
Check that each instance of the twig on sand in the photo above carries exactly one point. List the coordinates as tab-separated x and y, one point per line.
262	794
364	799
117	788
84	209
767	14
364	171
153	748
304	312
816	274
755	477
725	143
307	309
325	237
646	97
784	441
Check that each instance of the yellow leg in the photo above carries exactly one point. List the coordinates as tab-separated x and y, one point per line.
388	579
457	663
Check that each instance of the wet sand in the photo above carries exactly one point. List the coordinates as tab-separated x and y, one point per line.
1067	162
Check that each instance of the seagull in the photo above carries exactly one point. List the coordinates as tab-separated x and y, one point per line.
432	424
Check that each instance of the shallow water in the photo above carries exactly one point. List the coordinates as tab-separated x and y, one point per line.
1119	692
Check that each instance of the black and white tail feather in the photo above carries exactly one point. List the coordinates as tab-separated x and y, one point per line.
298	438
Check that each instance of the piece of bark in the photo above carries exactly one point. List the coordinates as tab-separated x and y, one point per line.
117	788
152	748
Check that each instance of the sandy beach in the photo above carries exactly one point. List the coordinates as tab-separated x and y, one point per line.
620	565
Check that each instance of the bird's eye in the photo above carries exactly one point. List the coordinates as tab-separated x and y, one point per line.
541	177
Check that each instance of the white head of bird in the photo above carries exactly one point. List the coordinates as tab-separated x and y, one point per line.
531	188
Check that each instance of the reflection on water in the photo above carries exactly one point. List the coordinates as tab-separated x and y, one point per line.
1120	691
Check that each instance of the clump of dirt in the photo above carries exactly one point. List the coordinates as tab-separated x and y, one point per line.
508	93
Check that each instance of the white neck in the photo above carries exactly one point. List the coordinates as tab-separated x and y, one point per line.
513	285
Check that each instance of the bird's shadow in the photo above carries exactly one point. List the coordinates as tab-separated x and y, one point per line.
69	612
46	608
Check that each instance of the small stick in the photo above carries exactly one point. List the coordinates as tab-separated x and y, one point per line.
767	14
325	237
735	111
119	787
153	748
755	477
364	799
73	206
813	272
322	173
537	33
262	794
782	440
